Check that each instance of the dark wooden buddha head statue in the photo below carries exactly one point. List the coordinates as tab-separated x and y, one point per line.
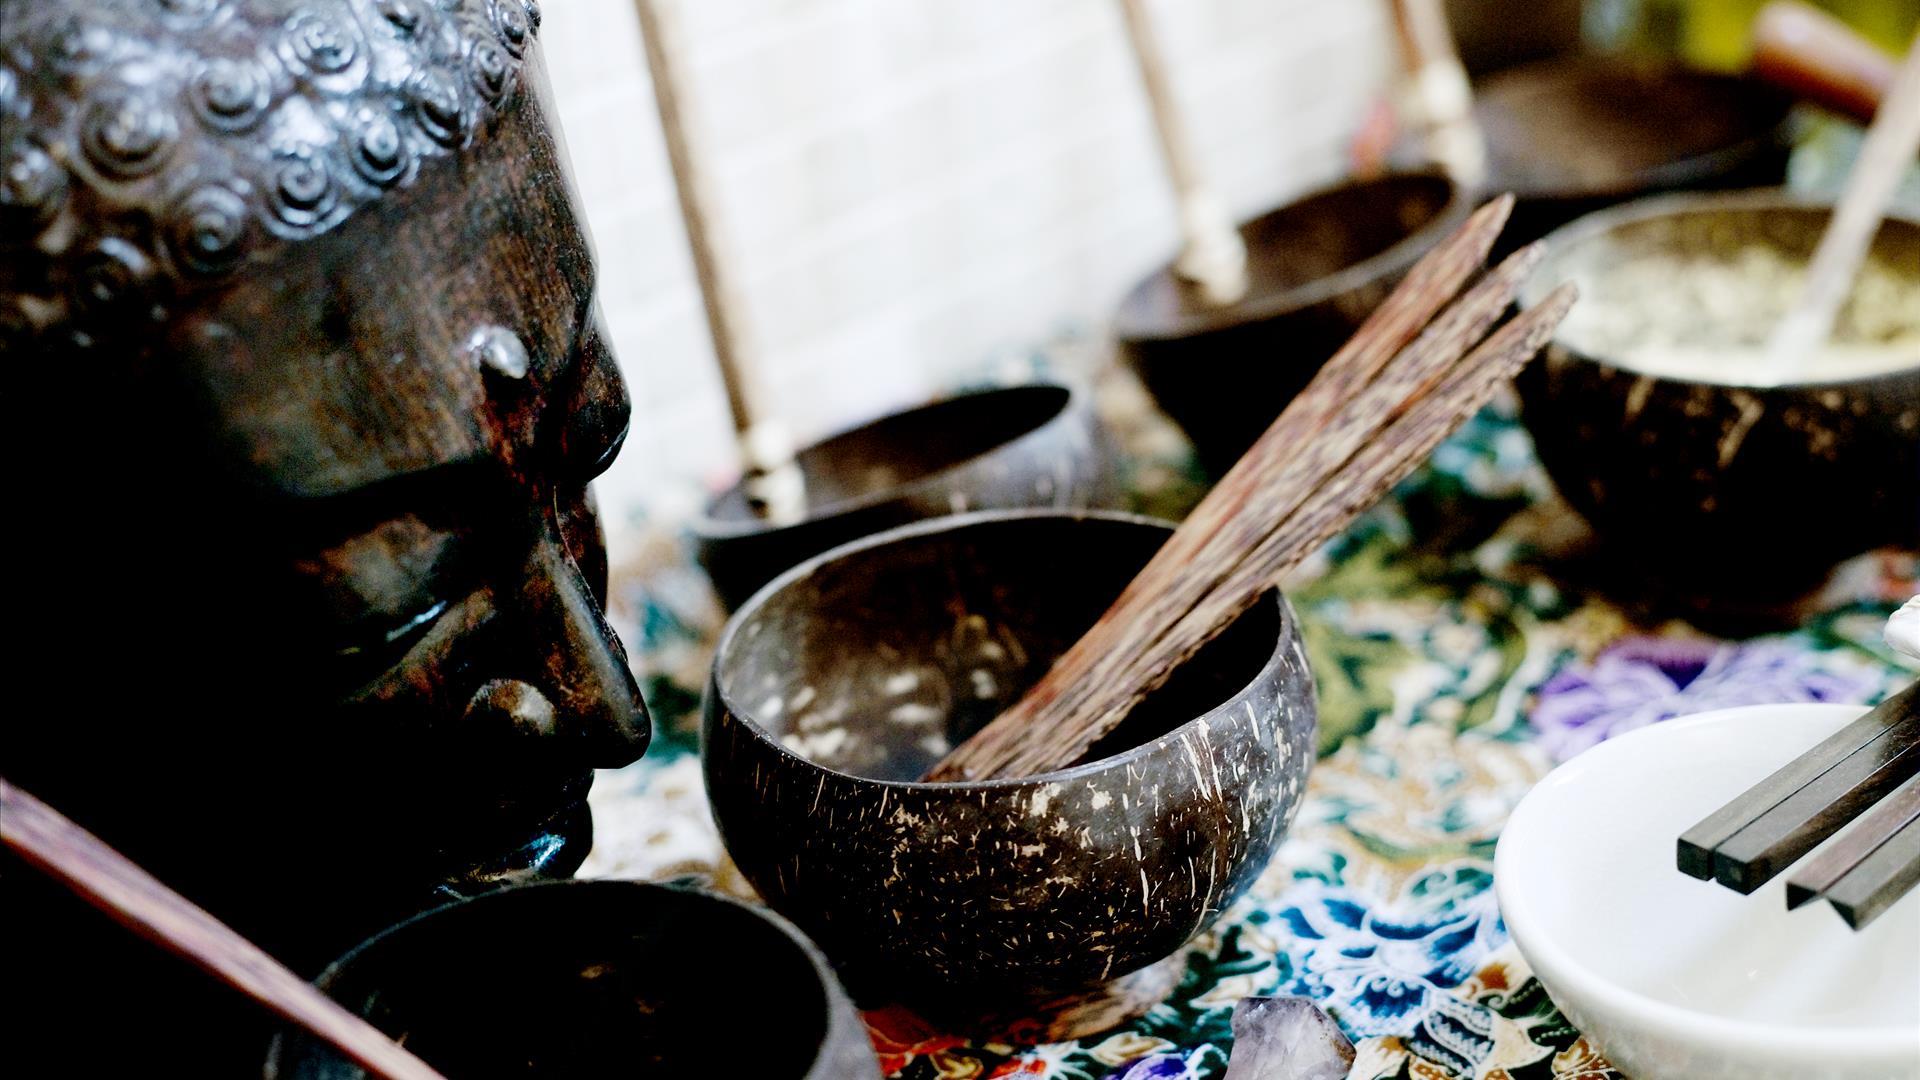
308	384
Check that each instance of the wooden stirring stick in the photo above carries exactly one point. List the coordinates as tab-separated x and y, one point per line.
1370	416
1439	90
774	485
1889	149
1213	257
111	882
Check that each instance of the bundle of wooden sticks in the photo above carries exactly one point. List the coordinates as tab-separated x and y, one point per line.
1867	773
1427	359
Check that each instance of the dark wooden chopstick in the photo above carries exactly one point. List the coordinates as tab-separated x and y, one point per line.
1850	848
1751	857
1695	854
1880	879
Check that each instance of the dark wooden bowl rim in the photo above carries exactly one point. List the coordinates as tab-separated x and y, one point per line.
709	525
1570	72
1132	326
955	522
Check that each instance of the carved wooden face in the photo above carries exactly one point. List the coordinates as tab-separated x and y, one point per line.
341	396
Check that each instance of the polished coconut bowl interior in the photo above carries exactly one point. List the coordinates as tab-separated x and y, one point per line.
877	661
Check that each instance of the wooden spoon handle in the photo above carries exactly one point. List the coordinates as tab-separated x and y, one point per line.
1214	257
1439	90
774	483
1818	58
111	882
1884	157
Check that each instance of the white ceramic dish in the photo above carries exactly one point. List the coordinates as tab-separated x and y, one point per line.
1678	978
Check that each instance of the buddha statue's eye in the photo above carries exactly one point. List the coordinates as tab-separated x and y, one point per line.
379	592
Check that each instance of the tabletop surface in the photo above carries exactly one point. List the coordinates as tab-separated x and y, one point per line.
1462	645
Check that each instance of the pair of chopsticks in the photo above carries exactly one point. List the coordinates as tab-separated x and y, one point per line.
1867	773
1425	361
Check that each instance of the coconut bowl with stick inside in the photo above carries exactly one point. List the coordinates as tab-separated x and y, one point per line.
1225	334
1735	407
1039	444
990	789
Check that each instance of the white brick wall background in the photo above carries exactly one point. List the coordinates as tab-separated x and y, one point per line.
911	187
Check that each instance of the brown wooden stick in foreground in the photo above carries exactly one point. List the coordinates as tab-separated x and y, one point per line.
1132	653
111	882
1199	555
1372	415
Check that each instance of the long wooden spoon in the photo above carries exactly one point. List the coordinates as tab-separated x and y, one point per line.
1884	158
1213	257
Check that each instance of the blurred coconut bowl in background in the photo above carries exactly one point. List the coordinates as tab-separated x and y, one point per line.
1575	134
1317	268
1703	467
1036	445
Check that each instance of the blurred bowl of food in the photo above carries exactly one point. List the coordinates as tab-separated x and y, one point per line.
1663	420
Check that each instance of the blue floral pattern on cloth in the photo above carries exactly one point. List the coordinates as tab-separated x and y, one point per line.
1454	668
1379	968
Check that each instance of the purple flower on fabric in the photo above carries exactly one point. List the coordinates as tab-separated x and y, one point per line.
1644	680
1158	1067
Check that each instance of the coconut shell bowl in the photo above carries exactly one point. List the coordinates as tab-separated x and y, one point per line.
1571	135
605	978
848	677
1654	413
1316	269
1038	445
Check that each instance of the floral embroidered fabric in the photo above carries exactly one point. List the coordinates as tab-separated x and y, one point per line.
1457	663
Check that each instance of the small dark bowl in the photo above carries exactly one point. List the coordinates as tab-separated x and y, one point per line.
1574	134
1039	445
593	978
1317	268
874	656
1722	493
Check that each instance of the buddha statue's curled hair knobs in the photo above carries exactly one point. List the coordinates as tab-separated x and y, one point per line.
149	148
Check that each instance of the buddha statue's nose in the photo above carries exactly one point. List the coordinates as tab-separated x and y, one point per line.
585	692
512	706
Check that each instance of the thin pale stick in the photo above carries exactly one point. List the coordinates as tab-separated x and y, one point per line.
1214	258
109	881
1440	90
1884	158
775	485
1197	556
1055	741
